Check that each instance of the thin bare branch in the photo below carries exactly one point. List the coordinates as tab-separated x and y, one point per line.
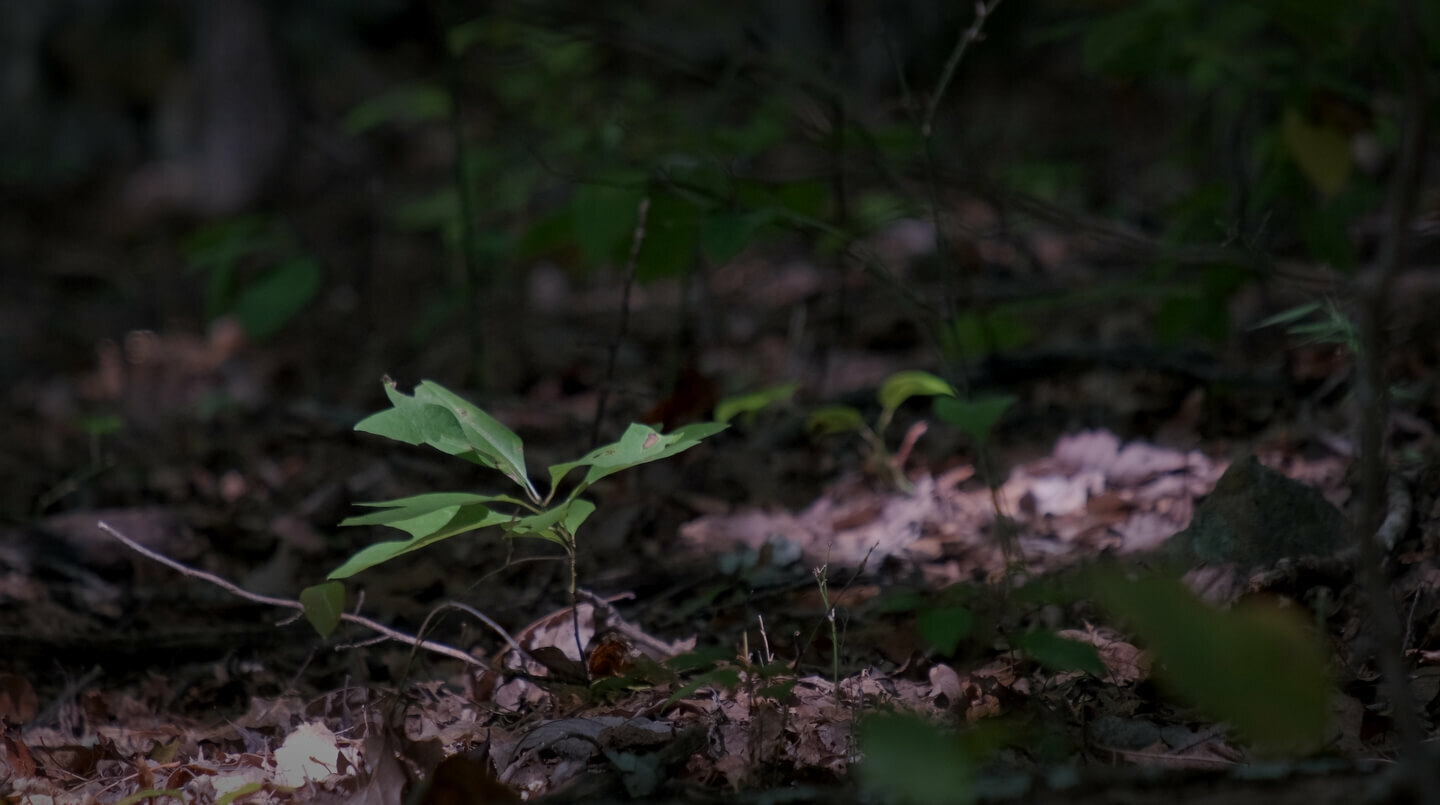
286	603
972	34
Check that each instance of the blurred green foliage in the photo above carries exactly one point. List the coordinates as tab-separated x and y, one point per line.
255	271
568	122
1259	666
1276	94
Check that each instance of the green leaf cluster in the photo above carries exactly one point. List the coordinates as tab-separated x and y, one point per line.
438	418
893	393
747	406
976	416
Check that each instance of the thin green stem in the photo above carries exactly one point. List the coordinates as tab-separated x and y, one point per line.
642	214
972	34
823	582
474	275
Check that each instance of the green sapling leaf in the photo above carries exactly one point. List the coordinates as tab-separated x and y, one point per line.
671	232
1331	325
901	386
425	528
434	416
101	425
1287	316
1061	653
974	335
640	444
278	296
1321	151
975	417
833	419
944	627
438	417
603	216
725	678
324	603
542	525
748	404
576	514
779	690
413	514
413	522
409	103
724	234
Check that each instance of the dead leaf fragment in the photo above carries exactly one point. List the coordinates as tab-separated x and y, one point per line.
309	753
17	699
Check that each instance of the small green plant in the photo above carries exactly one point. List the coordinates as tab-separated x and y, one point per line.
753	670
896	389
976	417
822	581
96	428
747	406
438	417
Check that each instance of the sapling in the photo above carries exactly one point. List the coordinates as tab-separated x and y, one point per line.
975	417
438	417
896	389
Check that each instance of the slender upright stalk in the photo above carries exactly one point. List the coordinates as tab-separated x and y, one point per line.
642	213
1373	403
474	279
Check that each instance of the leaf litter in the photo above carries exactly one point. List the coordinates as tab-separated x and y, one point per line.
538	734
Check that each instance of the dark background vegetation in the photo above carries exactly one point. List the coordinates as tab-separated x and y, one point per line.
222	222
296	165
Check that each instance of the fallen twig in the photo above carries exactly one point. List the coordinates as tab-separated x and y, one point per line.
286	603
